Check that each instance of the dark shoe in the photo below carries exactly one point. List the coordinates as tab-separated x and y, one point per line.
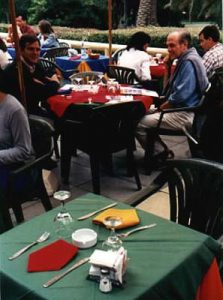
158	160
163	156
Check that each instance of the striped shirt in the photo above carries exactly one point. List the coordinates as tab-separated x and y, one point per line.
213	59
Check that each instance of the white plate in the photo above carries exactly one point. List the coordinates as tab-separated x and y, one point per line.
84	238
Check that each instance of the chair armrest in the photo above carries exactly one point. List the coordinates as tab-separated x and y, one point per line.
176	109
30	164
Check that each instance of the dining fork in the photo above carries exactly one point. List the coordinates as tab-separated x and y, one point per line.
126	234
41	239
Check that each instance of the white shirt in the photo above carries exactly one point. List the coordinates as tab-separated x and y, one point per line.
4	59
137	60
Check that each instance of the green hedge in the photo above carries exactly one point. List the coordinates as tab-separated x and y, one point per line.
119	36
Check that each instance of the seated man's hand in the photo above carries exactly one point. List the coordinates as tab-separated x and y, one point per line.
165	105
53	78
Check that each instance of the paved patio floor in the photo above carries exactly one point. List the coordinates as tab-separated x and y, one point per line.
118	186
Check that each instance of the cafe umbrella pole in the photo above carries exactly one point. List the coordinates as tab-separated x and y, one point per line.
17	49
110	30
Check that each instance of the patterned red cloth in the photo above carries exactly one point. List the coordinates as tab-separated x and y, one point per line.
59	103
51	257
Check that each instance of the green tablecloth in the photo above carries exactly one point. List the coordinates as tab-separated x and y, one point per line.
166	262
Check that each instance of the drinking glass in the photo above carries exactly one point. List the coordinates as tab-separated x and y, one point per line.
91	82
100	77
113	242
158	57
78	79
63	220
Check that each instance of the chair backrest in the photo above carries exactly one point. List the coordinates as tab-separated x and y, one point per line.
121	74
109	126
42	136
49	67
64	44
116	55
86	76
196	194
52	53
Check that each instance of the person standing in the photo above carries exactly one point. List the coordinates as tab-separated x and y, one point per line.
209	38
184	89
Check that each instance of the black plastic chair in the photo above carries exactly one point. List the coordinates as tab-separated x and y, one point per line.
64	45
52	53
30	173
51	68
195	194
209	144
116	55
153	134
121	74
100	131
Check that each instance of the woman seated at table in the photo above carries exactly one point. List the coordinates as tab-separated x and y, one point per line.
5	57
47	36
136	57
15	138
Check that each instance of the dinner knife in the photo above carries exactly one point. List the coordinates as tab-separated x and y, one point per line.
96	211
58	277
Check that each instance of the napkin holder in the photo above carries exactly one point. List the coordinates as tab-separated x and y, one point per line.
113	263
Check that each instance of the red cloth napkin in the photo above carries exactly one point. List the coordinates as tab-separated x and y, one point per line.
51	257
75	57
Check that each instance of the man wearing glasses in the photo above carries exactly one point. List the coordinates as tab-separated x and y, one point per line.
38	86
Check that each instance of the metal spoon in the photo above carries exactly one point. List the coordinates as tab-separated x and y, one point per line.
124	235
41	239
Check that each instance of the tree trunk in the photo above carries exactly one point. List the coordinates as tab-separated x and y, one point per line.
147	13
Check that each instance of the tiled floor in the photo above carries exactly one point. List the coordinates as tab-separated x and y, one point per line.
117	187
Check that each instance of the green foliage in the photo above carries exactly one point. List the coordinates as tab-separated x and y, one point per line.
73	13
121	36
37	10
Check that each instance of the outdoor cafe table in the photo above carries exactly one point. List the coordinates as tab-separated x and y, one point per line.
59	103
100	65
12	52
68	63
167	262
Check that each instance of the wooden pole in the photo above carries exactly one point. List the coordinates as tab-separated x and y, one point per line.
110	30
18	54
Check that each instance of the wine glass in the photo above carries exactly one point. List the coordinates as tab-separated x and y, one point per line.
91	82
100	78
78	79
113	242
63	220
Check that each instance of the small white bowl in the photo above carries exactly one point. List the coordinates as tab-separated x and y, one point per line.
84	238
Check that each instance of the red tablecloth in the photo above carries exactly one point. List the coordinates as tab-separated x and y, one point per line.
211	287
157	71
59	103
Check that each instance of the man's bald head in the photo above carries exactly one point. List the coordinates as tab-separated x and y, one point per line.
177	43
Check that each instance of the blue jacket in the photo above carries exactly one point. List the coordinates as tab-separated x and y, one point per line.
188	82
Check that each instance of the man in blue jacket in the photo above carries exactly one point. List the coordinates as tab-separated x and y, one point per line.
183	88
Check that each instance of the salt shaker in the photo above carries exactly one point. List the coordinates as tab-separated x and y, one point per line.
105	285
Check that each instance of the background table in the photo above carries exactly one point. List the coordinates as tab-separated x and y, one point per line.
166	262
11	51
59	103
100	64
157	71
